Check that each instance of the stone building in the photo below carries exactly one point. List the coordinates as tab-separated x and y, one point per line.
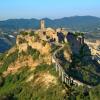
42	24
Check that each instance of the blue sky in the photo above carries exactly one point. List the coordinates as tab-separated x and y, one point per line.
48	8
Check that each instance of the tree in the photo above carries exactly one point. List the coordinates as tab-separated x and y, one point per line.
95	93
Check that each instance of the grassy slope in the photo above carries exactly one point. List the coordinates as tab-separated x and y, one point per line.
16	87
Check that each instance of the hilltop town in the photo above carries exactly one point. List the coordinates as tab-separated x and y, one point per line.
60	63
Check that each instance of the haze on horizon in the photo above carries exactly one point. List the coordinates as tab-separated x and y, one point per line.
48	8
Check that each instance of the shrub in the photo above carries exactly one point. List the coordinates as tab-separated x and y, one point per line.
22	41
33	52
31	33
24	33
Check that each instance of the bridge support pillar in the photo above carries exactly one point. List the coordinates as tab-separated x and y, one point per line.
71	82
68	81
56	67
65	80
62	76
60	71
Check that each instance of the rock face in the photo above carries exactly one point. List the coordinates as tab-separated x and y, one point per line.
23	47
46	79
67	54
60	36
75	43
43	47
94	46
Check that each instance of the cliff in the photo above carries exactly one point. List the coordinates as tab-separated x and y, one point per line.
28	73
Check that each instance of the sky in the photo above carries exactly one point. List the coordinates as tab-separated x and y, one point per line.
48	8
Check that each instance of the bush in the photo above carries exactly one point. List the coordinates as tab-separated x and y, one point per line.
24	33
7	96
22	41
95	93
31	33
33	52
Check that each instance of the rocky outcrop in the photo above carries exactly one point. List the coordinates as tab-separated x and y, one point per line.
42	46
74	42
67	53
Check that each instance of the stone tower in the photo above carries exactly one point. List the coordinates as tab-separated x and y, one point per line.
42	24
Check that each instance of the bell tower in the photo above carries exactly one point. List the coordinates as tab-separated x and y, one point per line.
42	24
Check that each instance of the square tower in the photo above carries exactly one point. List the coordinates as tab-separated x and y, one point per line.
42	24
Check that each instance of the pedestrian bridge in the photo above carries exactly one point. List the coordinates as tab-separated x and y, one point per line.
65	78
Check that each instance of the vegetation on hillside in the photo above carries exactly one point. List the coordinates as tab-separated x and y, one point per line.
82	66
41	82
7	60
33	52
16	87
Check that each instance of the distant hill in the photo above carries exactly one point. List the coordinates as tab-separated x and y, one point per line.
77	23
3	45
6	42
